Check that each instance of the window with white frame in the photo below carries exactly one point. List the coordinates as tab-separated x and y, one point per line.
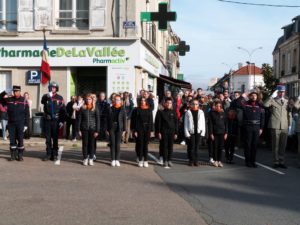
5	80
73	14
8	15
295	89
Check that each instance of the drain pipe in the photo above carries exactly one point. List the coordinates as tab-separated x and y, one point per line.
148	23
120	19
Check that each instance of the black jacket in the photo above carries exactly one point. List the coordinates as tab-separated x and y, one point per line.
104	109
217	123
253	114
54	108
17	110
141	119
69	109
88	120
166	121
121	119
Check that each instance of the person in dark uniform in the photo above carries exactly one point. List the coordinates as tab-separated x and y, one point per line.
167	130
54	117
253	124
18	117
142	126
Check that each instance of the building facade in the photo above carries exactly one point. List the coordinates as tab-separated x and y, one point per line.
94	45
244	79
286	57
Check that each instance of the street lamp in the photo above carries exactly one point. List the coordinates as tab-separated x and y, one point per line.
230	75
250	53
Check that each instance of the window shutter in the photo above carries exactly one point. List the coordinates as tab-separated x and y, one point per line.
43	14
97	14
25	15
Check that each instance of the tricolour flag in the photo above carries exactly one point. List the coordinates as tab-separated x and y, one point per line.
45	67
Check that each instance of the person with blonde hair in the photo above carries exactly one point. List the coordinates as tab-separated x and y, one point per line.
88	128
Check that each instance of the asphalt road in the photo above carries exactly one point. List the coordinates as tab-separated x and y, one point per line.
235	194
34	192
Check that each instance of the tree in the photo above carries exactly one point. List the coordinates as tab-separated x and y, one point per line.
269	80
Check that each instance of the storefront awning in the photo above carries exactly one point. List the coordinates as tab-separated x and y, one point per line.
175	82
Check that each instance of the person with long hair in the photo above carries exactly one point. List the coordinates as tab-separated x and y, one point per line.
142	126
88	128
116	128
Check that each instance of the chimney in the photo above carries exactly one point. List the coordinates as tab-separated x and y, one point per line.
240	65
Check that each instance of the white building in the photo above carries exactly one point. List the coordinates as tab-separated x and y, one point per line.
246	78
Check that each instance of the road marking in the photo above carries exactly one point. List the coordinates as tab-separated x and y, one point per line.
153	157
262	165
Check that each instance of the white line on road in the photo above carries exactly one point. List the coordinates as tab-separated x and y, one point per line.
236	155
262	165
153	157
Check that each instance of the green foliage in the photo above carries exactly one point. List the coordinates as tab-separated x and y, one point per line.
270	81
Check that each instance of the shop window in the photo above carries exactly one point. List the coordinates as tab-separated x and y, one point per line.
5	80
8	15
73	14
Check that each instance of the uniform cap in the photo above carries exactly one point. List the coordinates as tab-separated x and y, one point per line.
280	87
16	88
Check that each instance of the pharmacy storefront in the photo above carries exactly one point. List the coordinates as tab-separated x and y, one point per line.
79	67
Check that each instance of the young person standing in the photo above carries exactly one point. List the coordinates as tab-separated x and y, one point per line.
167	130
142	126
88	128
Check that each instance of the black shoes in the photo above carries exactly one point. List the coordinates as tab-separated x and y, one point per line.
20	156
251	165
283	166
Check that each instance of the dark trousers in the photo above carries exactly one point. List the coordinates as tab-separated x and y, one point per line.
167	143
51	134
229	147
251	139
88	143
115	139
70	123
142	142
195	141
218	145
188	148
210	148
161	147
16	136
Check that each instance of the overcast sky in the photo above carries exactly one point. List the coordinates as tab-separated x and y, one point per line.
215	29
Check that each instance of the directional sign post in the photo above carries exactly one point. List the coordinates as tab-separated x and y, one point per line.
182	48
163	16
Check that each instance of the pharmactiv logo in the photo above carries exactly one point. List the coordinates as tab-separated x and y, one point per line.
98	55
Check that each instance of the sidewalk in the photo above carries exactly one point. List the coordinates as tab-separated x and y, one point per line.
39	193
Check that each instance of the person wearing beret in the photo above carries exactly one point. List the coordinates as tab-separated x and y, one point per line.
279	124
253	123
18	118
